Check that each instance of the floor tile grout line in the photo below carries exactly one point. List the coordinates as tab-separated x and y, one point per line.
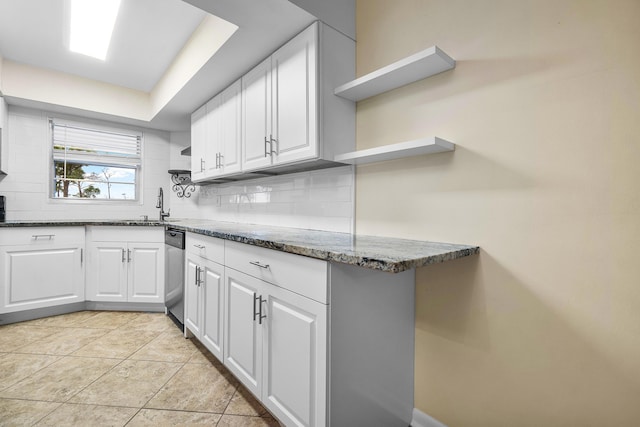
96	379
32	373
162	386
106	372
132	417
48	413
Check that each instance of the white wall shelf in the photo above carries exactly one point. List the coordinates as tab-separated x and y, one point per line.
397	151
416	67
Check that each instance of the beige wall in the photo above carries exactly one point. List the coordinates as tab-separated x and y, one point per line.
543	328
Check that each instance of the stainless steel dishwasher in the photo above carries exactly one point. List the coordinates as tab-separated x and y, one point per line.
174	275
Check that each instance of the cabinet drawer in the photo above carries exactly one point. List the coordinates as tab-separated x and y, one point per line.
41	236
210	248
300	274
125	234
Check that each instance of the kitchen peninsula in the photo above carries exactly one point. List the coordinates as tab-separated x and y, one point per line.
292	313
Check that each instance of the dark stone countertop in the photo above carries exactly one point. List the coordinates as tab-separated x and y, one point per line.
379	253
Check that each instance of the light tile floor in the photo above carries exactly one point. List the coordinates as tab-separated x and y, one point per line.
104	368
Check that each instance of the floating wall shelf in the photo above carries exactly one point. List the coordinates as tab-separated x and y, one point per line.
397	151
416	67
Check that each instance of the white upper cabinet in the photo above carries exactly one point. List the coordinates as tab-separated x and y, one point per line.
294	101
286	117
4	137
229	159
256	117
215	136
198	142
212	135
280	98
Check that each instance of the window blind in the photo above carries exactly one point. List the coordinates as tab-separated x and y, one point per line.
76	144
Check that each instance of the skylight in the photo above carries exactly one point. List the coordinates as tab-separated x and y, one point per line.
92	25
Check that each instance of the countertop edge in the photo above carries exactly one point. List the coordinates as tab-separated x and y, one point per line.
391	263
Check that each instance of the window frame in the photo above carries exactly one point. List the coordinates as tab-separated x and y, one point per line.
99	127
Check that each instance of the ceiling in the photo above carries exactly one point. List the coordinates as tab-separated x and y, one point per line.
148	36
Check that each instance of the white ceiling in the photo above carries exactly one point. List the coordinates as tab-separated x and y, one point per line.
147	37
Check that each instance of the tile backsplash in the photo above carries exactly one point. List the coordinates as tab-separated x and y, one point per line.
321	200
318	200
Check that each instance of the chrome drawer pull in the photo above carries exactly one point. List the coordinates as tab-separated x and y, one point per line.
42	236
258	264
200	246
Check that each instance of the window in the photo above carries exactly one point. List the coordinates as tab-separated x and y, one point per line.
94	163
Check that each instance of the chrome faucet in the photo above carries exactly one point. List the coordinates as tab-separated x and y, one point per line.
160	205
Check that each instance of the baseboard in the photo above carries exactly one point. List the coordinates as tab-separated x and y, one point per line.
125	306
37	313
420	419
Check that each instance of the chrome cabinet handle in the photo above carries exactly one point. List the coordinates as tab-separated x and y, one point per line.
266	152
259	264
261	316
123	256
257	314
128	255
197	282
220	158
201	164
42	236
199	246
272	139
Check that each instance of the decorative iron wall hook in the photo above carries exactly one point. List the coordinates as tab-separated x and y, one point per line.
182	182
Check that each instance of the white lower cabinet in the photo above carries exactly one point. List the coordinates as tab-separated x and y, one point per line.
243	331
204	293
276	344
125	264
318	343
295	358
41	267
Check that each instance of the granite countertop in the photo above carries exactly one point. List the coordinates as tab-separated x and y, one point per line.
378	253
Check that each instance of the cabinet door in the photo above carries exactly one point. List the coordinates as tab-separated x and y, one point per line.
294	70
107	272
34	278
212	138
231	129
212	292
256	117
192	307
146	272
198	141
243	332
4	137
295	358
